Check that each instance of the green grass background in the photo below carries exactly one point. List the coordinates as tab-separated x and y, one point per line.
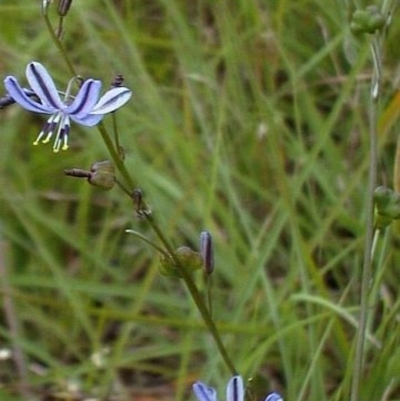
249	119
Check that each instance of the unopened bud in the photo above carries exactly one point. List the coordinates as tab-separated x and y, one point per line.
45	6
188	260
387	206
102	174
117	81
63	7
141	208
255	389
369	20
207	251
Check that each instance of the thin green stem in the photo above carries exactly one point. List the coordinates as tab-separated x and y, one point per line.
114	151
194	292
123	187
369	237
116	135
145	239
59	45
197	298
119	163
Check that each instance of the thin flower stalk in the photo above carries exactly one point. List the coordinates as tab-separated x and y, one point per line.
120	166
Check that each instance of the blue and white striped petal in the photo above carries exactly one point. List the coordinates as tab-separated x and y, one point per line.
112	100
235	389
88	121
18	94
85	100
274	397
43	85
204	393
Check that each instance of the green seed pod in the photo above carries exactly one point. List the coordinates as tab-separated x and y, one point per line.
369	20
387	206
189	260
255	389
102	174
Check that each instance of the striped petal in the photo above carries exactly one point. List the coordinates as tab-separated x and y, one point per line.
18	94
274	397
89	120
85	100
112	100
43	85
235	389
203	392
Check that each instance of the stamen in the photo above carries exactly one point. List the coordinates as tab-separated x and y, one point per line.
47	129
39	137
60	133
54	124
65	136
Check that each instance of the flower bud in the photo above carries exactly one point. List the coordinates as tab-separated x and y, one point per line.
141	208
45	6
207	251
387	206
188	259
117	81
255	389
63	7
369	20
102	174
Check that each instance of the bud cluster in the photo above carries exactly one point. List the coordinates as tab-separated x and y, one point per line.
369	20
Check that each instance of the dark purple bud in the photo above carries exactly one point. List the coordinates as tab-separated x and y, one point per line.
63	7
207	251
140	206
137	196
118	81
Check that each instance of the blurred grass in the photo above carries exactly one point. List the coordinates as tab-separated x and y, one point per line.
249	119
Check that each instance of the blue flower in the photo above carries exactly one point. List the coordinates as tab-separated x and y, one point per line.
234	391
85	108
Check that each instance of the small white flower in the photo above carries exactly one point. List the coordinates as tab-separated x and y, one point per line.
85	108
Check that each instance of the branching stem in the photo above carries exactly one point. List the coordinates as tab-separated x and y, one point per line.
369	224
114	152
